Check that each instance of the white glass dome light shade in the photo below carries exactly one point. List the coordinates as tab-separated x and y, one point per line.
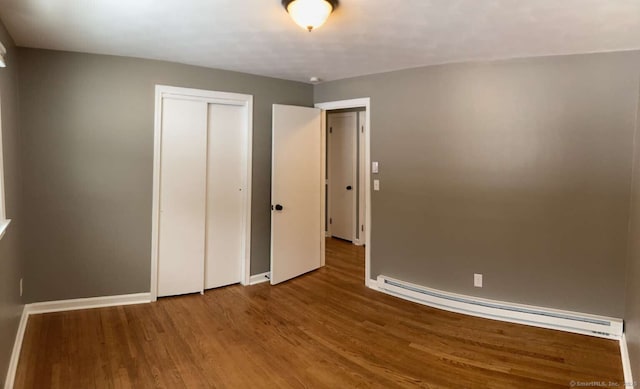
310	14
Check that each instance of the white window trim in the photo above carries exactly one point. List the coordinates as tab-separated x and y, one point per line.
4	222
3	226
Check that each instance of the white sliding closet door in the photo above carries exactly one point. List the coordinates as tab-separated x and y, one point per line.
225	213
201	231
182	201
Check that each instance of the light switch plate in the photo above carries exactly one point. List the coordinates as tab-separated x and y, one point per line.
376	185
374	167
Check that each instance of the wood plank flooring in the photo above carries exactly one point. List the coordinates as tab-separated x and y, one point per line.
321	330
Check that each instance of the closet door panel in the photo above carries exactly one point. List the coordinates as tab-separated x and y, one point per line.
225	212
181	245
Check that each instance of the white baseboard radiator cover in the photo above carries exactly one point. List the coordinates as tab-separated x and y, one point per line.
580	323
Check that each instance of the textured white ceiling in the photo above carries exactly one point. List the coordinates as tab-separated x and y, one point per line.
361	37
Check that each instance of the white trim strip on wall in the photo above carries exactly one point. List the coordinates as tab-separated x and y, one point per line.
15	353
87	303
626	364
60	306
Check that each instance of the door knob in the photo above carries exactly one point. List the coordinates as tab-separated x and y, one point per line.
279	207
349	187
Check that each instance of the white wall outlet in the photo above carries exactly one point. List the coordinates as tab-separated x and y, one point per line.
374	167
477	280
376	185
21	287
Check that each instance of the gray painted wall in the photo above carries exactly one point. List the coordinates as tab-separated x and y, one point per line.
11	262
520	170
88	154
632	314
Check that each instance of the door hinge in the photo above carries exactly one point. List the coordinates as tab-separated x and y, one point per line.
330	130
362	128
330	221
362	228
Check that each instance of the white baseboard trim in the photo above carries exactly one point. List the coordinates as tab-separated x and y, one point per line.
59	306
372	284
626	364
580	323
15	353
259	278
88	303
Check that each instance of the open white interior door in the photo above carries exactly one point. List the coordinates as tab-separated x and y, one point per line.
343	173
297	185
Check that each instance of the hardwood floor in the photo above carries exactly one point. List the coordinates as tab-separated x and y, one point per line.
324	329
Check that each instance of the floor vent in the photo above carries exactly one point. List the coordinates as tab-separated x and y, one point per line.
600	326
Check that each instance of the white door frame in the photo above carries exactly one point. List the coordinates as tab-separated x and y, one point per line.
357	103
362	164
212	97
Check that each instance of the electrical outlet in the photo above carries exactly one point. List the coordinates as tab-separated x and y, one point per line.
376	185
477	280
21	287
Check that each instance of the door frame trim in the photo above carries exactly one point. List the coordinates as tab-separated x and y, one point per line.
358	103
361	176
355	163
214	97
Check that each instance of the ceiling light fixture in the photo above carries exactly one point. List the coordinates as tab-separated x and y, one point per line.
310	14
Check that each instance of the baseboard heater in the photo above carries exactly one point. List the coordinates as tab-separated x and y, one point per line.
600	326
